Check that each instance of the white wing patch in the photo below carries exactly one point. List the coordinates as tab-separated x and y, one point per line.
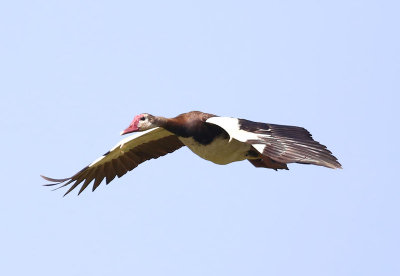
132	141
232	127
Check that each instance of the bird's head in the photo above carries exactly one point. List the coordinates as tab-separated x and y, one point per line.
141	122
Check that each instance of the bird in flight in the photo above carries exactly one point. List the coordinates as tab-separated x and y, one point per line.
221	140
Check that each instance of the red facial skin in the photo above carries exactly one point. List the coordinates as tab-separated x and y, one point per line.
133	127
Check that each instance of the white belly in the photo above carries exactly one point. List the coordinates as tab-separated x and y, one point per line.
220	151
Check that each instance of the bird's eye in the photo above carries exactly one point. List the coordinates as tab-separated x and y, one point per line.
142	119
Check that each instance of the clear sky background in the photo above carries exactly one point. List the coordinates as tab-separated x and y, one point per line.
74	73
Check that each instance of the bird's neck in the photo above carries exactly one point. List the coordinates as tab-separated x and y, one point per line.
160	121
184	126
173	125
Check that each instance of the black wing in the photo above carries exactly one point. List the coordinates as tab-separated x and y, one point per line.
283	144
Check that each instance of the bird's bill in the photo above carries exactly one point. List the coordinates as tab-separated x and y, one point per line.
131	128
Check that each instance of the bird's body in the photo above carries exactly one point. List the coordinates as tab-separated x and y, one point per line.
208	141
220	150
221	140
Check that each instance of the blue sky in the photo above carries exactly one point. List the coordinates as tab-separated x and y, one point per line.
74	73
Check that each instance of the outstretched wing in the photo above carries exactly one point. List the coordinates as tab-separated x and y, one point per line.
124	157
283	144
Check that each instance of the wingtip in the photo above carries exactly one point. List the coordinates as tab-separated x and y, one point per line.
51	184
80	191
44	177
335	166
67	192
54	179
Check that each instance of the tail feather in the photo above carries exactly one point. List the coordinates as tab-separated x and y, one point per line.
266	162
